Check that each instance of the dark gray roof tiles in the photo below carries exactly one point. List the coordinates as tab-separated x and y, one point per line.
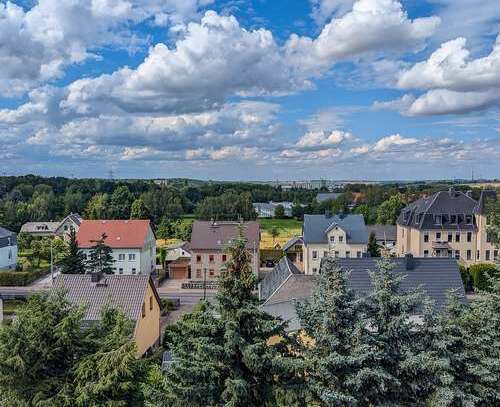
437	276
455	208
383	232
272	281
217	235
316	226
292	242
125	292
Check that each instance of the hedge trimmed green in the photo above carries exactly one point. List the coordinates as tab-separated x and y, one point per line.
20	278
479	273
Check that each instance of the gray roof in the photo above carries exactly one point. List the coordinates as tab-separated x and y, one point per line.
421	214
272	281
39	227
486	196
217	235
6	233
125	292
436	276
327	196
292	242
73	217
383	232
316	226
7	238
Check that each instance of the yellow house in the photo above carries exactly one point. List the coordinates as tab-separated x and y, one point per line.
135	295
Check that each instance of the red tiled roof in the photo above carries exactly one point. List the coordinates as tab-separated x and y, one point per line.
120	234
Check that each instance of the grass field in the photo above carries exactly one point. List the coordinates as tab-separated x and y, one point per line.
287	228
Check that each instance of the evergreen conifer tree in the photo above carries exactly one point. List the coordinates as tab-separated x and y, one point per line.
228	359
101	259
74	262
332	323
373	247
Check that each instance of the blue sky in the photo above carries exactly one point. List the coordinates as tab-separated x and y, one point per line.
251	89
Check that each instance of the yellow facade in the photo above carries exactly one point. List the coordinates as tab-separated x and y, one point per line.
147	329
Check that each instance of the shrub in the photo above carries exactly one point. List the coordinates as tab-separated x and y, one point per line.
20	278
466	277
480	273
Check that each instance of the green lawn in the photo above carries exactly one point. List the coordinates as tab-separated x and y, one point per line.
288	226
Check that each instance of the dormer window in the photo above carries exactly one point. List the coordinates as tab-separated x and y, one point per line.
468	219
453	219
406	215
438	219
418	218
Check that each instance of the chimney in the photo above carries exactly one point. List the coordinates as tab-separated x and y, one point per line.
95	277
409	263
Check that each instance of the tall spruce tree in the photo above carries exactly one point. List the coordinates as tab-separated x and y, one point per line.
224	354
397	368
373	247
101	259
332	323
74	262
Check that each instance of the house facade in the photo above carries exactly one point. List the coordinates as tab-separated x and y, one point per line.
209	241
336	235
133	243
447	224
8	249
135	295
178	260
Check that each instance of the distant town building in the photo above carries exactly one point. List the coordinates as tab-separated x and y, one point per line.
133	243
267	209
285	286
8	249
136	296
50	229
447	224
209	241
337	235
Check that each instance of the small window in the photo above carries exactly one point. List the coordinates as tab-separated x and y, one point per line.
468	219
426	253
151	303
488	237
332	239
337	254
438	252
457	237
478	255
487	255
131	257
457	254
133	271
347	255
121	257
450	254
438	220
211	272
438	236
120	270
315	254
341	239
198	258
450	237
469	254
325	254
224	257
469	236
453	219
315	270
358	254
143	310
198	273
426	237
495	254
211	258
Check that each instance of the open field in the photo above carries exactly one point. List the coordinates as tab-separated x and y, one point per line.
287	228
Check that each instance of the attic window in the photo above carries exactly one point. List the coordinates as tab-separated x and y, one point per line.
418	218
453	219
468	219
438	219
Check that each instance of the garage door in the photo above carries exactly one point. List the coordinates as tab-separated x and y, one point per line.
179	272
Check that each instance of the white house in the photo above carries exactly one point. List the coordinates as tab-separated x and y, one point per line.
133	243
8	249
49	229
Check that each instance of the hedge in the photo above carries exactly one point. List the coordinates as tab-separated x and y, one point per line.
20	278
466	277
479	273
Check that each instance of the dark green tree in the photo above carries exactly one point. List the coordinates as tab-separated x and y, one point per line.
121	200
389	210
332	322
73	262
229	360
373	247
279	212
100	259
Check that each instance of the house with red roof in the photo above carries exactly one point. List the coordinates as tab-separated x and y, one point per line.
133	243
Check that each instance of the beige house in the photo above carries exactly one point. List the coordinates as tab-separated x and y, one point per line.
447	224
342	236
135	295
209	241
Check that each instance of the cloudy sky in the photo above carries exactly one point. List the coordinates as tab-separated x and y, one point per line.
250	89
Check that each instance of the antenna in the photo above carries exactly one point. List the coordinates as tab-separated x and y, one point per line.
111	175
472	174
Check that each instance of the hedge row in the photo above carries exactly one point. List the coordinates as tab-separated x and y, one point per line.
20	278
477	276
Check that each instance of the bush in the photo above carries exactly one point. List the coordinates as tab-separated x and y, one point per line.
20	278
480	273
466	277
